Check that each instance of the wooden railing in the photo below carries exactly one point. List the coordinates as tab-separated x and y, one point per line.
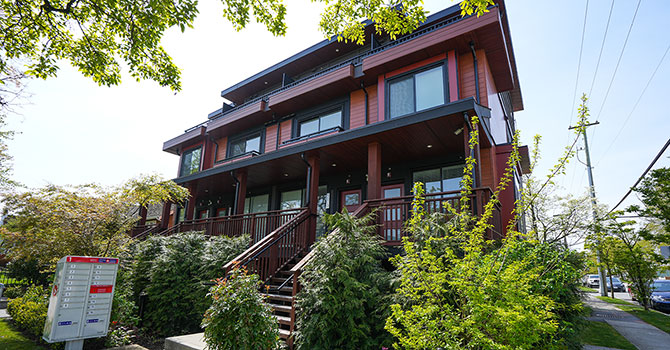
257	225
142	230
392	213
270	254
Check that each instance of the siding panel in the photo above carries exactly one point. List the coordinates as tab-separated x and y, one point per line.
285	132
372	102
271	138
221	151
357	109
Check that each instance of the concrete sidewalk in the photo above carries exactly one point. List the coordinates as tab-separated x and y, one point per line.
641	334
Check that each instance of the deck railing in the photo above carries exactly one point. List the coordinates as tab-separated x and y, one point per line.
257	225
275	250
392	213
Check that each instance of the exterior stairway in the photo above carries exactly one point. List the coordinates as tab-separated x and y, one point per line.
279	294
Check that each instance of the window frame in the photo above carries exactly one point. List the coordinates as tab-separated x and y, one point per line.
181	159
412	73
245	137
341	104
439	167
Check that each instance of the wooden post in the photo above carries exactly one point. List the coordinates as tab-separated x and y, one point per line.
477	180
190	207
241	176
374	170
165	216
143	216
313	191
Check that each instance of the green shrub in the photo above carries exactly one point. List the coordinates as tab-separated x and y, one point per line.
345	294
29	271
175	273
238	318
15	291
30	311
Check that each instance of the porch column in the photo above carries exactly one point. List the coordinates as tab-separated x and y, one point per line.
241	191
313	192
190	206
478	173
165	216
467	128
143	216
374	170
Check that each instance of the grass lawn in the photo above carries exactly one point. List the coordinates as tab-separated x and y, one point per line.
587	289
602	334
11	339
614	301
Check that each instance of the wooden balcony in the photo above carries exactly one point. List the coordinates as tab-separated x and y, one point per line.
392	213
257	225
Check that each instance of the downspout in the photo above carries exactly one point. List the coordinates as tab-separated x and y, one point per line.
474	59
367	112
472	150
309	178
237	191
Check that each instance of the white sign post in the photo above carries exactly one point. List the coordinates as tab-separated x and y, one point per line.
81	300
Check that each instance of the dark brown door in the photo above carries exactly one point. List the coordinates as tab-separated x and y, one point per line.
394	212
351	200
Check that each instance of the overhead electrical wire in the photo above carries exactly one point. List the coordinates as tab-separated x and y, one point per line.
660	153
616	68
602	46
636	103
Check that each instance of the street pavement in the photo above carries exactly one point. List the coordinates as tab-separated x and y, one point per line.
641	334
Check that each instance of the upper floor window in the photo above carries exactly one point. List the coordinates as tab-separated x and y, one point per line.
320	123
416	92
190	161
245	145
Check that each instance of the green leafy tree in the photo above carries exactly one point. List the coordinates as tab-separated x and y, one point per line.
655	195
49	223
96	36
460	291
239	318
345	291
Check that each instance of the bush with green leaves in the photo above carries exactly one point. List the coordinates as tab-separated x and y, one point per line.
175	272
29	312
239	318
29	271
346	293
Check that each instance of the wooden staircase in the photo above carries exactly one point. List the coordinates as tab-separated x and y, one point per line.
279	292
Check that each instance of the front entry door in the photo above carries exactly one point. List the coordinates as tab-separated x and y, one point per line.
394	213
351	200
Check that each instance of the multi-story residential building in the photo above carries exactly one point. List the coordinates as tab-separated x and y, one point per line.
340	125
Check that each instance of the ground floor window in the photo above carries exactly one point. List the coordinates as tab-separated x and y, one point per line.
291	199
256	204
442	179
322	207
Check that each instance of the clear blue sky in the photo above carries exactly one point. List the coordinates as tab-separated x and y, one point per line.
74	131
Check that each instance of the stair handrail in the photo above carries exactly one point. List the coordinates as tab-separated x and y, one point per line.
265	242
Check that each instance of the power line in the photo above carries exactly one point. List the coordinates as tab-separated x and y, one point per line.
602	46
636	103
643	174
616	68
579	63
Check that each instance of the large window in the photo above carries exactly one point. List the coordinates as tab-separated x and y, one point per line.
245	145
291	199
323	122
256	204
443	179
416	92
190	161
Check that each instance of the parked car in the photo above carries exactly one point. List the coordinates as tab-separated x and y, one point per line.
660	295
618	285
592	281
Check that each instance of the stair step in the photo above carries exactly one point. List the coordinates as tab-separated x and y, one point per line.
284	333
281	308
286	298
283	320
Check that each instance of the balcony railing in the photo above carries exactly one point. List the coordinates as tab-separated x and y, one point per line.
392	213
257	225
